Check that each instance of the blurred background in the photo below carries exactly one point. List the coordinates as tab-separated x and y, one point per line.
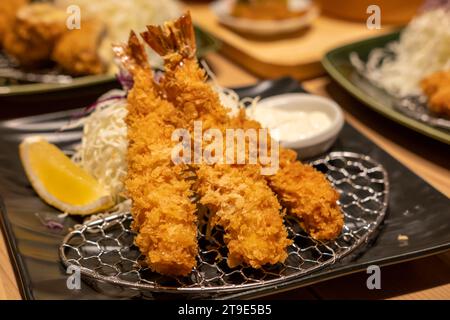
47	63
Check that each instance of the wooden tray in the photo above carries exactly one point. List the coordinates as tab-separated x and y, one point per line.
297	55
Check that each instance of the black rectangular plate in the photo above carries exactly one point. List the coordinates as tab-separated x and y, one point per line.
415	209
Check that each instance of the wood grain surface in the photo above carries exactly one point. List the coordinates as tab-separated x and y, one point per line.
297	55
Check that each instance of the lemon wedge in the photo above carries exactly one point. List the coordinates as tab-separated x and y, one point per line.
59	181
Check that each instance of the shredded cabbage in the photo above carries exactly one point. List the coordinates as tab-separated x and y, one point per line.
103	147
423	48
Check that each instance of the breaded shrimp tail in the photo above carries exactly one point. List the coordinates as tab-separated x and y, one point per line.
180	34
238	195
163	214
132	55
184	81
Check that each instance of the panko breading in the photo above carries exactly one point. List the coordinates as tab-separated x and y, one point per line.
437	88
163	213
8	10
242	202
248	211
36	29
77	50
304	191
309	196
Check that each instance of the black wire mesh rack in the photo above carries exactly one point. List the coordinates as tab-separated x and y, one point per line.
104	252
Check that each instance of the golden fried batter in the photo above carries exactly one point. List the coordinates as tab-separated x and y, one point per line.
247	210
241	199
309	196
36	29
243	203
163	213
304	191
8	10
437	88
77	50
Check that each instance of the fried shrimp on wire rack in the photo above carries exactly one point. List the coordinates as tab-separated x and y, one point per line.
238	195
304	191
163	213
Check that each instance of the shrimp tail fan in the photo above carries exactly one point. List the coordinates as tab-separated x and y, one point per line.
173	37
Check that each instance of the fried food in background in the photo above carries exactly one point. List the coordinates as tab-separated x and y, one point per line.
437	88
8	10
35	31
120	17
76	51
265	10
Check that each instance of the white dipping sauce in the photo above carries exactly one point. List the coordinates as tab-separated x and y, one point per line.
291	124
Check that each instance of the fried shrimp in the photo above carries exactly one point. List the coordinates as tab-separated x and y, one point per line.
308	195
163	214
242	202
304	191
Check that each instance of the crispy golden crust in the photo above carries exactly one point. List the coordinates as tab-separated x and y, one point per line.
242	202
440	102
36	29
247	210
8	10
308	195
304	191
238	195
437	88
431	84
163	213
77	50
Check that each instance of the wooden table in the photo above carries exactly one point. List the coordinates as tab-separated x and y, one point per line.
427	278
294	54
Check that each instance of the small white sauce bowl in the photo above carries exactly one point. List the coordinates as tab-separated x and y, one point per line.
315	144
